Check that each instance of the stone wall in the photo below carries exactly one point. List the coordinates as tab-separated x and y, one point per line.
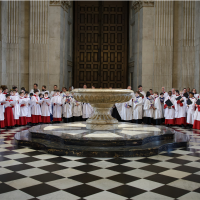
34	43
166	44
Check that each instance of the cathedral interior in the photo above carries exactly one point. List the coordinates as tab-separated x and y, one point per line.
107	45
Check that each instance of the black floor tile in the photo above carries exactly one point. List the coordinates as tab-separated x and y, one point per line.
85	178
171	154
27	160
52	168
194	154
123	178
120	168
10	177
127	191
47	177
153	168
87	168
19	167
187	169
170	191
118	160
88	160
34	153
39	190
5	188
2	158
192	177
178	161
57	160
148	161
83	190
161	178
197	190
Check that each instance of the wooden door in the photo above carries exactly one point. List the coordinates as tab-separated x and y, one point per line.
100	44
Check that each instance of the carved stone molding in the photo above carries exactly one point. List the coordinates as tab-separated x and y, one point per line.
131	64
69	63
137	5
64	4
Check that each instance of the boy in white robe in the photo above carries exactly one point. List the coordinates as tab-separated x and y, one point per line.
127	110
191	110
46	109
87	111
169	111
196	124
148	109
57	107
137	108
165	94
162	100
158	113
23	110
29	106
180	113
16	108
36	110
77	110
68	109
2	108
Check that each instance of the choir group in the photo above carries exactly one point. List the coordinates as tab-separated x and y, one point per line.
170	108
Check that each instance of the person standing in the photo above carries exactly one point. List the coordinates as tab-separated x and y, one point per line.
35	87
137	108
158	114
9	117
57	107
23	110
46	109
169	110
2	109
16	108
36	110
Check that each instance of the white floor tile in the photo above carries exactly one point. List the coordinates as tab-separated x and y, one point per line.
190	196
16	156
104	184
32	172
59	195
135	164
151	196
64	183
45	156
193	164
167	165
4	171
15	195
139	173
190	158
105	195
175	173
184	184
68	172
23	183
104	173
145	184
71	164
39	163
103	164
7	163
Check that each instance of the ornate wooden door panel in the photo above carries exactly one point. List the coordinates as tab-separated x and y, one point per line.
100	55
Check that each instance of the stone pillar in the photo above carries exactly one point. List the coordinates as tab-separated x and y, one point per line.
197	46
58	43
163	52
144	44
184	49
39	41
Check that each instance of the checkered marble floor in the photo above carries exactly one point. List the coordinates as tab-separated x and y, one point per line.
26	173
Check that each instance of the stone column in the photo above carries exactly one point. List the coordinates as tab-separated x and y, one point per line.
58	43
39	41
144	44
163	52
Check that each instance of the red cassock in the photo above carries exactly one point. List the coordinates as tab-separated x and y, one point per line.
8	115
46	119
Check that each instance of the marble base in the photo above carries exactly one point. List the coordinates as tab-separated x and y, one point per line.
128	140
101	126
